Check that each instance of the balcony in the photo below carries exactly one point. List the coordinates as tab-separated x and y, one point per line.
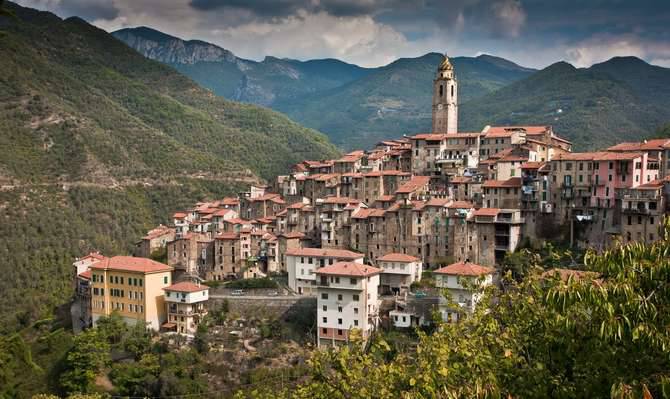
634	194
636	211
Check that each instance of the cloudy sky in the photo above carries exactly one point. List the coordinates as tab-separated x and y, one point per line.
533	33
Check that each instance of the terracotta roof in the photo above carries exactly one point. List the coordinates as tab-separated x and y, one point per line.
227	236
93	255
460	179
157	232
349	269
532	165
506	131
292	234
179	215
365	213
655	184
428	136
617	156
438	202
186	286
340	200
398	257
513	158
86	275
465	269
324	253
385	198
297	205
230	201
460	205
486	212
462	135
647	145
131	264
413	184
577	156
511	182
237	221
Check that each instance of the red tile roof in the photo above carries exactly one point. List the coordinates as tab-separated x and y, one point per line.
186	286
179	215
428	136
647	145
532	165
349	269
460	205
93	255
398	257
486	212
506	131
465	269
86	275
324	253
340	200
438	202
617	156
460	179
131	264
365	213
292	234
511	182
413	184
576	156
227	236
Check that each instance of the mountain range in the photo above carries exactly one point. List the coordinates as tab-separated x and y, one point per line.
621	99
98	143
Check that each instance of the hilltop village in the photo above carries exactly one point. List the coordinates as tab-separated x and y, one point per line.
358	232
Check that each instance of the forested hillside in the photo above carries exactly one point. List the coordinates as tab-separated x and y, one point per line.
354	106
98	143
623	99
396	99
270	82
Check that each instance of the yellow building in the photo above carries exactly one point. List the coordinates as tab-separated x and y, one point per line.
131	286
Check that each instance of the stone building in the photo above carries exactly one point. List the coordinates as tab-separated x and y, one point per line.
445	99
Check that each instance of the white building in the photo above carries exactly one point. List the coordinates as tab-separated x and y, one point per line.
186	306
399	271
347	299
301	263
80	265
464	282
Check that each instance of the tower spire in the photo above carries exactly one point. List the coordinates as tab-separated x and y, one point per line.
445	98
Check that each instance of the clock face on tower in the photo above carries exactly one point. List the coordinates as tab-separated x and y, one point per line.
439	106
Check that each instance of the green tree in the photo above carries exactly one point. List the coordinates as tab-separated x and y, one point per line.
600	333
89	354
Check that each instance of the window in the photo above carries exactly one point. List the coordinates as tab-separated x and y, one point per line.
353	281
324	296
356	323
165	279
339	321
140	280
355	297
339	309
325	308
355	310
339	297
325	320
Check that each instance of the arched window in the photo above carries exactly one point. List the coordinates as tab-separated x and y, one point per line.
441	90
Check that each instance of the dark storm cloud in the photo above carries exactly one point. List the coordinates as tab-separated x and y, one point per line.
283	8
90	10
371	32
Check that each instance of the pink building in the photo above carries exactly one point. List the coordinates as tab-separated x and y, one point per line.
612	170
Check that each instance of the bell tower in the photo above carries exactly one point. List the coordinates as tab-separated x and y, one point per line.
445	99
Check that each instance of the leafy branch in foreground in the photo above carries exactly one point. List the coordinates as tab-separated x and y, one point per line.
598	333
